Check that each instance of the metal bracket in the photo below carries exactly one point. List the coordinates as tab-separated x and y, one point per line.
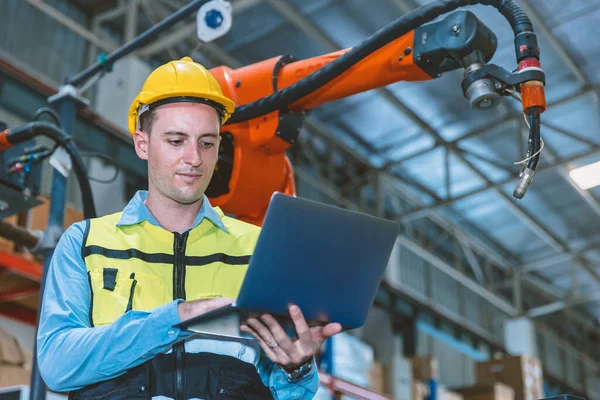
289	126
505	78
51	237
71	92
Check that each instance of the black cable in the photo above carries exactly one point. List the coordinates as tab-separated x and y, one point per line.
105	158
534	136
49	111
285	97
29	131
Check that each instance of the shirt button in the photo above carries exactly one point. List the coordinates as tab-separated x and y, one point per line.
171	333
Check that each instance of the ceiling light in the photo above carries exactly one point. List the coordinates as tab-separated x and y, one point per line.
586	177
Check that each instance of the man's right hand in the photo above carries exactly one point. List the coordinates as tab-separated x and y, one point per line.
190	309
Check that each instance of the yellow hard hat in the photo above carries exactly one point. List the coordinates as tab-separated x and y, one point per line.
179	81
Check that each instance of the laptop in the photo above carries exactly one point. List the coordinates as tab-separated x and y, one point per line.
327	260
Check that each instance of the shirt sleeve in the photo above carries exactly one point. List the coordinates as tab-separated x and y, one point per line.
73	354
281	387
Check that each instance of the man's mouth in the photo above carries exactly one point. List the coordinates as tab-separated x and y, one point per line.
189	177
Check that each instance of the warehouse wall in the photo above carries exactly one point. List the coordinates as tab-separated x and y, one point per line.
455	368
429	283
51	50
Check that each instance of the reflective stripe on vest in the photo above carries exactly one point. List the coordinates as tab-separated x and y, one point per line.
132	267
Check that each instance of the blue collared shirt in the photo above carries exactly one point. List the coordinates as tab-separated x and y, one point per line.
72	354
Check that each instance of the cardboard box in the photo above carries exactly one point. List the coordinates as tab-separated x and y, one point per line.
377	377
420	390
523	374
10	351
424	368
445	394
39	216
11	375
487	391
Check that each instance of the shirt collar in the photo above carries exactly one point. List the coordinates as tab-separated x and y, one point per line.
136	211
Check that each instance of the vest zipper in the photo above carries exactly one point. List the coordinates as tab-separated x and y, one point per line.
179	293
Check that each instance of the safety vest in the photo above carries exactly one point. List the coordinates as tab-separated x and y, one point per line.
143	266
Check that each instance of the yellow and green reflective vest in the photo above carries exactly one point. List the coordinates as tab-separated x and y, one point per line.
143	266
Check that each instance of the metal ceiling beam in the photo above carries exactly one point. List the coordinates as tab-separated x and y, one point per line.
286	10
471	259
153	14
546	261
452	272
169	40
106	45
562	304
131	20
574	136
420	212
112	13
536	226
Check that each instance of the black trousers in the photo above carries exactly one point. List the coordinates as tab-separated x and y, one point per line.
205	376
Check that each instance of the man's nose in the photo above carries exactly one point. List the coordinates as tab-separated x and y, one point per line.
191	155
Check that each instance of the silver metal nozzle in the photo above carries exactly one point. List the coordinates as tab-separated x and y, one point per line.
526	177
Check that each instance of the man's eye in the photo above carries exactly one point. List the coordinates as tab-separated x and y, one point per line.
175	142
207	144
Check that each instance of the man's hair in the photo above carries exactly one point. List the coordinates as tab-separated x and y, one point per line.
148	119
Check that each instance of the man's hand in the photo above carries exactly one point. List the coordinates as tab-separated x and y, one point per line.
277	344
190	309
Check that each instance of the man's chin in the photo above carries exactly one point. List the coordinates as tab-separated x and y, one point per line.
188	198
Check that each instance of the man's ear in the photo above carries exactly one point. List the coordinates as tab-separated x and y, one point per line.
140	141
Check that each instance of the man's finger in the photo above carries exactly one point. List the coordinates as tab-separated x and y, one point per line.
262	331
300	323
331	329
270	341
279	334
268	351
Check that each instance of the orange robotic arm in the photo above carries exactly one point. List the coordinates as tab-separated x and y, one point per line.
253	164
256	148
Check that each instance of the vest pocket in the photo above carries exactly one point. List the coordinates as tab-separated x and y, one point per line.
116	291
113	293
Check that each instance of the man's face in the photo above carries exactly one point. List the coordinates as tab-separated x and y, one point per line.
182	150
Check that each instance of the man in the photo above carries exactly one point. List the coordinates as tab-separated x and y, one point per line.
118	284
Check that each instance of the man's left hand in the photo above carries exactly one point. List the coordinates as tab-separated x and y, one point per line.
278	346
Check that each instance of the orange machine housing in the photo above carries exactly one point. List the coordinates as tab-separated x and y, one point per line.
260	165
